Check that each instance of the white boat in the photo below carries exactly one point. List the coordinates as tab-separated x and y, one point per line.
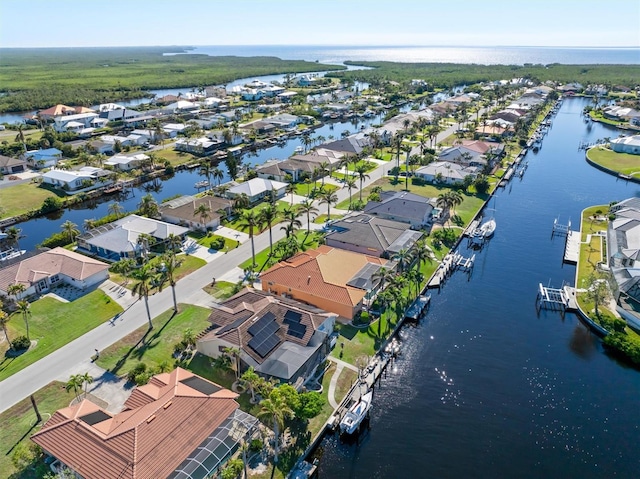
356	414
299	150
201	184
488	228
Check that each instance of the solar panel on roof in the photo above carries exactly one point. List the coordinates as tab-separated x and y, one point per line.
94	417
201	385
264	345
297	330
292	317
263	322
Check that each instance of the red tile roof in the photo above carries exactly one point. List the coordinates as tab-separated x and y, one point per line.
322	272
167	421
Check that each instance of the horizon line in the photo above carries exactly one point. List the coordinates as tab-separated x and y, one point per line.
337	45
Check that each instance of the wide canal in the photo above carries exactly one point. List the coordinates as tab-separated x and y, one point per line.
485	387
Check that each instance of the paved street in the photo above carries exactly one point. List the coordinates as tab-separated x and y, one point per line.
68	360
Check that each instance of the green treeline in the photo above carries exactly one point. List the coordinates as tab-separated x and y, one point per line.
40	78
448	75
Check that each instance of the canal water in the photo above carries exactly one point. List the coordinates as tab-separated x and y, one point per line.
485	386
182	182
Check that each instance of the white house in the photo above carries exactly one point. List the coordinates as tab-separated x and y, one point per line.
445	172
626	144
257	188
126	163
85	179
70	122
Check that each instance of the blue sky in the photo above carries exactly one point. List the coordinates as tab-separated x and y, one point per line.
61	23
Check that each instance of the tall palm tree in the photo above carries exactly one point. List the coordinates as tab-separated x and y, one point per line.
456	199
86	380
251	379
290	215
350	184
88	224
382	277
234	355
444	202
16	289
115	209
14	235
174	243
268	215
290	190
70	229
306	207
203	211
404	257
250	221
171	264
4	319
329	198
217	175
23	307
206	170
148	206
241	202
275	409
361	174
323	169
144	277
75	382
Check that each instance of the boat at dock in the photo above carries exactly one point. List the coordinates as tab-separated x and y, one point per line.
416	310
354	416
201	184
484	232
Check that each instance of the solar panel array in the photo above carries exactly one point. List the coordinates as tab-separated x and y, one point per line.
296	329
264	335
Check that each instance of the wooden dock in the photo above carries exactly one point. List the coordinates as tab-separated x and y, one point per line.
572	247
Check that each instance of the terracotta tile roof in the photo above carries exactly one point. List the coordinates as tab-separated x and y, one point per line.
322	272
149	441
48	263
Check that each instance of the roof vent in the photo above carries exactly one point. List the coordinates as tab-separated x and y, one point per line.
167	405
308	279
151	418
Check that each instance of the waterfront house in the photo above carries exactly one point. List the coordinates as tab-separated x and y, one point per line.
10	166
126	162
622	114
43	158
57	110
278	337
402	206
181	211
626	144
350	145
178	425
445	172
366	234
279	170
197	146
332	279
39	271
284	120
257	189
121	239
74	181
73	122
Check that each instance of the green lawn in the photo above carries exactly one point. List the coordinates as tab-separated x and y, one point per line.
174	157
221	291
22	198
188	266
303	189
18	423
624	163
280	205
205	239
321	219
155	346
308	241
54	324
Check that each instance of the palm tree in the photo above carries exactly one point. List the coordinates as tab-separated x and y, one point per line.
422	253
361	174
14	235
174	243
203	210
75	382
23	307
16	289
350	184
307	208
456	199
444	202
148	206
241	202
275	409
88	224
290	190
382	277
144	276
268	215
70	229
115	209
290	215
86	380
249	221
4	319
251	378
206	170
217	174
328	197
234	355
323	169
123	267
404	257
171	264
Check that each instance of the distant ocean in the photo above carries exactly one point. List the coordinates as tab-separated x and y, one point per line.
480	55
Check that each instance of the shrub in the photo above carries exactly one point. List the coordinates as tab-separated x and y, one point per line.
139	374
256	445
50	204
217	243
20	343
55	240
